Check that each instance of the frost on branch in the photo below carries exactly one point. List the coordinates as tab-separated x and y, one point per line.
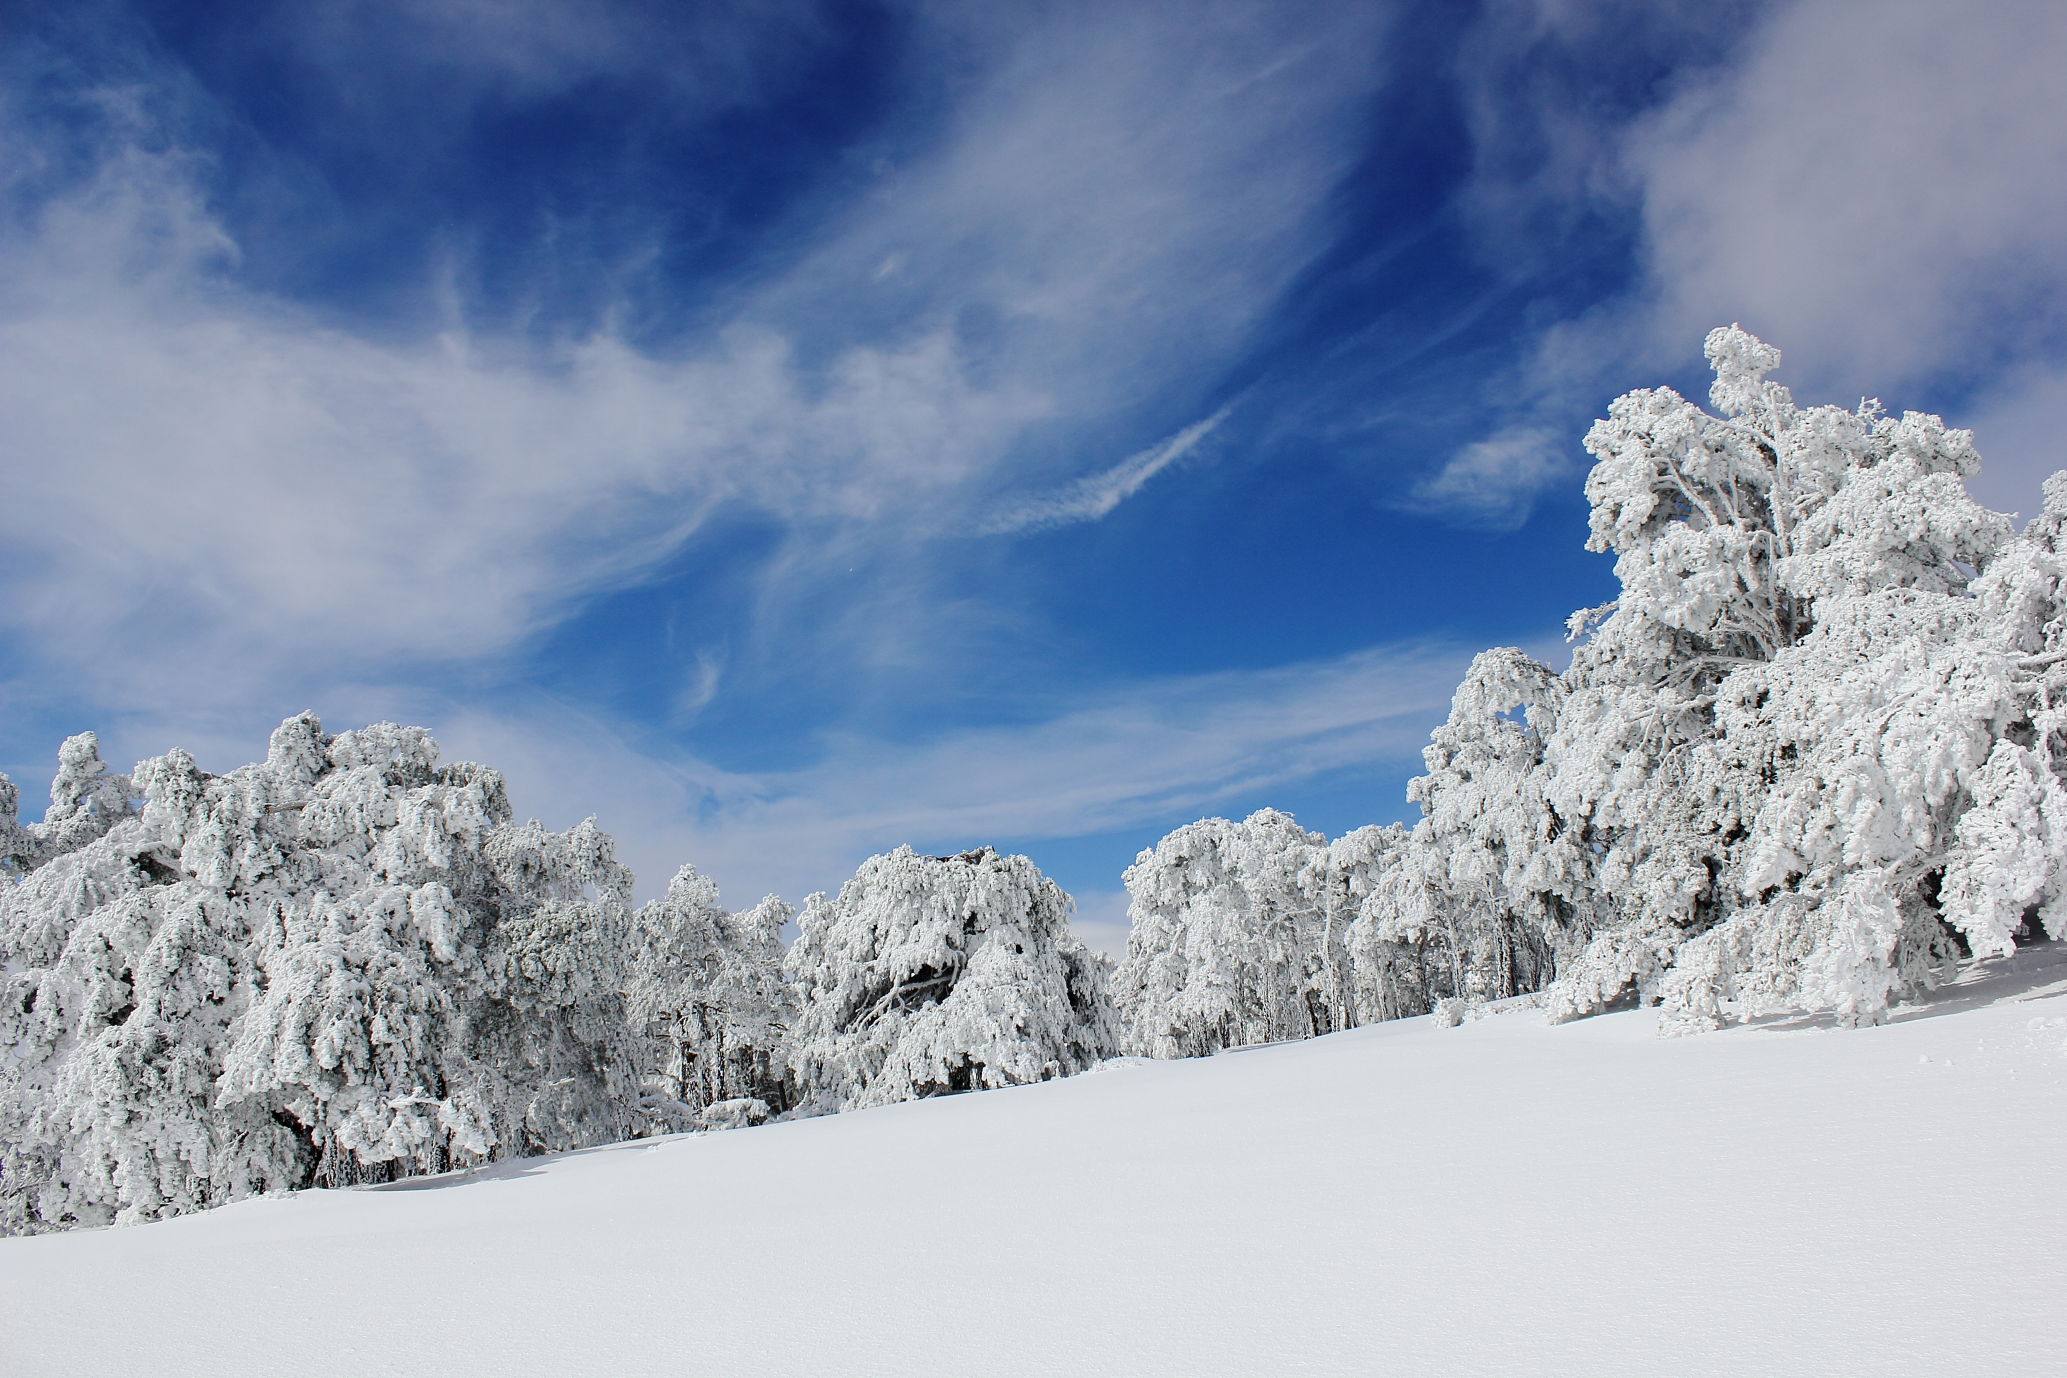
85	801
930	975
1391	965
1489	851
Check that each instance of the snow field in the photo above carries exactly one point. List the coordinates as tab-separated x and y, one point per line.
1504	1197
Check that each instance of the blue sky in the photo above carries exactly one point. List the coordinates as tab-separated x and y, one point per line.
786	430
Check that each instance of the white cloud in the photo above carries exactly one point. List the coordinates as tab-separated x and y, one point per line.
211	493
1122	759
1877	189
221	508
2018	427
1091	498
1494	482
405	69
1101	921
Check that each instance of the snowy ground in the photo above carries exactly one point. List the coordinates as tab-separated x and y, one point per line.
1500	1198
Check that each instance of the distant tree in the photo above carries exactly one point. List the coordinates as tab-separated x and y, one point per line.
1489	849
1348	873
1233	939
15	850
709	987
85	801
931	975
1397	958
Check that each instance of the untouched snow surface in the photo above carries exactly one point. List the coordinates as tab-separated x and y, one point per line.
1499	1198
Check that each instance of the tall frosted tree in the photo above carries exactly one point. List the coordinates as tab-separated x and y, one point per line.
86	800
930	975
2007	876
1397	955
14	839
1771	735
1810	758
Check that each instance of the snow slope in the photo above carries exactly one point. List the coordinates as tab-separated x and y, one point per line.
1499	1198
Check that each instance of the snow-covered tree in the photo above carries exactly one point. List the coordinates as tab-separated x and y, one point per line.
1231	939
930	975
1351	869
14	839
123	977
1771	736
708	986
85	801
1490	854
1397	955
344	963
1808	759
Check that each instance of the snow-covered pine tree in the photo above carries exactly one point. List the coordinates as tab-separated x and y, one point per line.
14	840
1230	941
343	963
445	985
15	851
1698	511
2006	877
708	987
122	979
929	975
1348	873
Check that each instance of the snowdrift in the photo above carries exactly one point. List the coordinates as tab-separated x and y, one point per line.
1504	1197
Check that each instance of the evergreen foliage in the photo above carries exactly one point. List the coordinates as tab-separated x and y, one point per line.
1231	942
1770	744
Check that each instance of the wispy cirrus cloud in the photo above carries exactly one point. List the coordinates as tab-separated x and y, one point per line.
1493	482
194	462
226	500
1131	757
1876	192
1094	496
